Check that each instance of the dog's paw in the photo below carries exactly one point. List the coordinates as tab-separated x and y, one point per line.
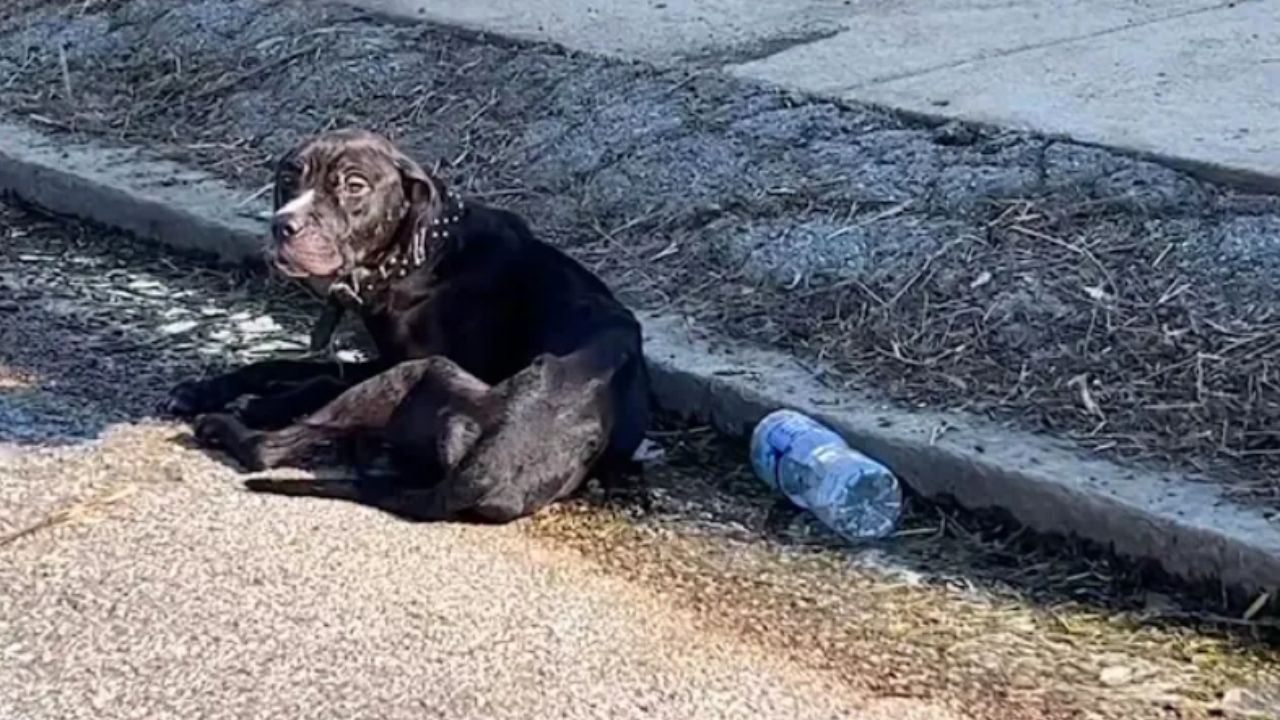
212	430
188	399
226	433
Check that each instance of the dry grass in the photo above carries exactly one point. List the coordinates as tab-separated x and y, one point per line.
1090	330
18	8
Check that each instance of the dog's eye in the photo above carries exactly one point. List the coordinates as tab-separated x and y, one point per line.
355	185
288	180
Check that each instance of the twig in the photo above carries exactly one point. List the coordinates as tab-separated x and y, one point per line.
1083	252
235	80
66	73
256	194
77	511
928	263
877	217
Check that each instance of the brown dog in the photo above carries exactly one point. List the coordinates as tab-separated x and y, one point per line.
524	373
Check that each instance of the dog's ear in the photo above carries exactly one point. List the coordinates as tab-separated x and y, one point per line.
426	196
421	189
457	435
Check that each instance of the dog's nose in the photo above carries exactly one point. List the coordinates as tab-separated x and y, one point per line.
284	227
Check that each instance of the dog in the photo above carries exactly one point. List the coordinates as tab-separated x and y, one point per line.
505	371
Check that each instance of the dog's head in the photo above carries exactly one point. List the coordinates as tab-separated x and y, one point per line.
345	198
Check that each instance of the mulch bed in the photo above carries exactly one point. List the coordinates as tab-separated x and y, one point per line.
1065	316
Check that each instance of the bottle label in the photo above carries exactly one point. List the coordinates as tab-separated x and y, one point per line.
786	457
783	434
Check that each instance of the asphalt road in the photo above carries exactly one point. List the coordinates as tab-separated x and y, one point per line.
190	598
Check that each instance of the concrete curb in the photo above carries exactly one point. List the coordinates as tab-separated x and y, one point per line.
1187	528
148	197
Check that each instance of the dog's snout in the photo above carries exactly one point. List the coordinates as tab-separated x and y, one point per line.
284	227
287	221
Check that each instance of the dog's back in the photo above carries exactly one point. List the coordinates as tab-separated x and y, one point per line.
542	302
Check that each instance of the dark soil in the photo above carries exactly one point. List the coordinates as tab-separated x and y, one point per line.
1050	285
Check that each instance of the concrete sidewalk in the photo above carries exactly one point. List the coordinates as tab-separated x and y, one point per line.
1194	82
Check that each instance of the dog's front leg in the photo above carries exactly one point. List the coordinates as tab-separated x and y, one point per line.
194	397
273	411
256	450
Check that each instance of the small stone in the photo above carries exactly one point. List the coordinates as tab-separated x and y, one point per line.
259	325
178	328
1251	703
1117	675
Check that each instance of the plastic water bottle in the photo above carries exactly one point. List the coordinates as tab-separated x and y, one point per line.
814	467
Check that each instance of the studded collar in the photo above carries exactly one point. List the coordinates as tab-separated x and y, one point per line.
365	281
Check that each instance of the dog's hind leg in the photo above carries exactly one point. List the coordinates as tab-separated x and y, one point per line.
614	356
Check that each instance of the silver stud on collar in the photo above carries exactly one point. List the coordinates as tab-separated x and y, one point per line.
404	260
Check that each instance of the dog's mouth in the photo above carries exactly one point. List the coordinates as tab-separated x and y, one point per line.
301	259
